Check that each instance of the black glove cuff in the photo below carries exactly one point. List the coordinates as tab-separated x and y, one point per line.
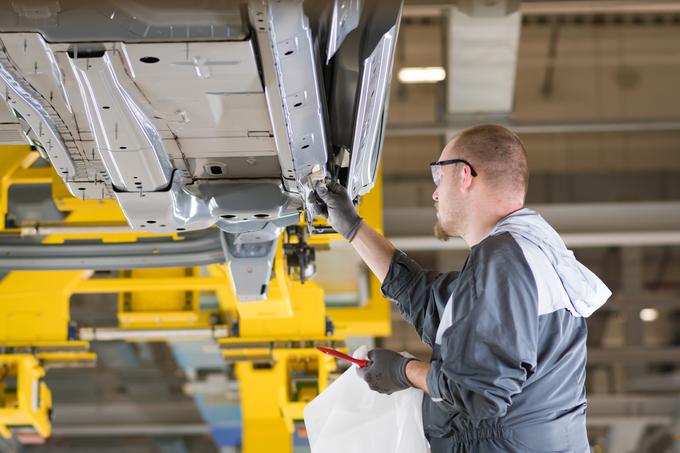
401	372
353	231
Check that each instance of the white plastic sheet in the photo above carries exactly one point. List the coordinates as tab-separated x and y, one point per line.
349	417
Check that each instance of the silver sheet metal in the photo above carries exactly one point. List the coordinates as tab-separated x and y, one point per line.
371	116
292	87
344	18
250	258
371	105
37	113
126	20
129	144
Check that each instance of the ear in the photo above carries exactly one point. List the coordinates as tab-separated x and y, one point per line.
466	178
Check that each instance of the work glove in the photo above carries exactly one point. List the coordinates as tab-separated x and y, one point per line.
386	371
331	200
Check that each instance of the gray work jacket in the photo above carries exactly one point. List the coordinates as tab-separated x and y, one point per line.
508	347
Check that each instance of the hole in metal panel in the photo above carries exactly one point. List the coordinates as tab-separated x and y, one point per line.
228	216
149	60
215	170
150	221
290	52
86	51
261	216
304	146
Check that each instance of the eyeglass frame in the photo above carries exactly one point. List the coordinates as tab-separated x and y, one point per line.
441	163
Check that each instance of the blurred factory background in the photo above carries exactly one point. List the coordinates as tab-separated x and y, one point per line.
591	88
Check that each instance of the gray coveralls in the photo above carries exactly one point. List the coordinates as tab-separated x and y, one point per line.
508	338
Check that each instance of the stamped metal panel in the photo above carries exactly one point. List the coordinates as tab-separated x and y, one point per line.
228	147
234	167
344	18
292	88
45	115
125	20
250	260
220	112
257	13
72	89
36	114
238	205
201	90
233	157
244	205
127	141
168	211
36	61
370	117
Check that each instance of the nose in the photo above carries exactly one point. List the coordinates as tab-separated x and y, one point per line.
435	195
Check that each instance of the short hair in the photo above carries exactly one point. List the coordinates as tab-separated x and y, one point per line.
496	153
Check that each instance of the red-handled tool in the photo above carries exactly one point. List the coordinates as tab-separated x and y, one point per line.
360	363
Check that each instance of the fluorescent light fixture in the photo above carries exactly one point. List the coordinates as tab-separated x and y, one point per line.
430	74
649	314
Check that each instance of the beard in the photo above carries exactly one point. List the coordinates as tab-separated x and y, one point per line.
439	232
451	222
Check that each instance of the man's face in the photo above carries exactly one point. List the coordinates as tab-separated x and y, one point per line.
449	198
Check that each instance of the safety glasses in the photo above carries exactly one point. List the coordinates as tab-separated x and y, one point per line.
436	168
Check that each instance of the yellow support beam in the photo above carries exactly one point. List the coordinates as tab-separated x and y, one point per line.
12	159
373	319
42	175
149	284
164	308
34	306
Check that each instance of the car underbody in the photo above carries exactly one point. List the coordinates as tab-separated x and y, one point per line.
218	113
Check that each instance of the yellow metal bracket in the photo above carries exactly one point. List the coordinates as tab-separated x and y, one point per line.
273	397
29	402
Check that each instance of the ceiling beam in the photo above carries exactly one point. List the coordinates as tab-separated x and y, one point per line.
456	124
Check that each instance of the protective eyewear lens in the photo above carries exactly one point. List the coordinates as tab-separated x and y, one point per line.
436	174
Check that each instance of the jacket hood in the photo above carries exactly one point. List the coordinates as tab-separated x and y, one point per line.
586	291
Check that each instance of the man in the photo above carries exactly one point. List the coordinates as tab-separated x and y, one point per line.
507	332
